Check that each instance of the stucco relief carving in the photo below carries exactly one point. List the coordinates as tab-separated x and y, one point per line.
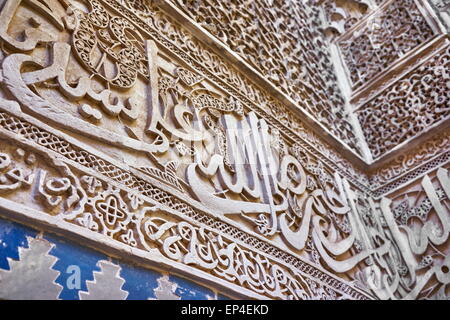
388	35
112	101
282	40
128	136
136	220
405	167
386	42
416	218
180	122
443	9
408	107
342	15
111	35
166	31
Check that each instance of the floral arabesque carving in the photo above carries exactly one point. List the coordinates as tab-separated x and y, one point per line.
421	159
205	62
98	30
268	202
408	107
387	36
105	207
189	104
282	40
139	222
342	15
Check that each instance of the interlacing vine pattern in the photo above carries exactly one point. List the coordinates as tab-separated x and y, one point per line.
121	126
127	53
135	220
379	42
434	152
387	36
282	40
410	106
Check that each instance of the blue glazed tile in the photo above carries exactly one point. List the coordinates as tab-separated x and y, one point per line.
73	258
12	236
188	290
222	297
139	282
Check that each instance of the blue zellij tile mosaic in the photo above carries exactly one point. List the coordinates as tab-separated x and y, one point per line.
61	269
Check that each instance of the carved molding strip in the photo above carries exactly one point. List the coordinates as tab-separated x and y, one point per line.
424	158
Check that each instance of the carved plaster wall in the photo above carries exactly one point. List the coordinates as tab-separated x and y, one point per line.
219	140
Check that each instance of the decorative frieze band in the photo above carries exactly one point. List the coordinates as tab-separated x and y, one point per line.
147	217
